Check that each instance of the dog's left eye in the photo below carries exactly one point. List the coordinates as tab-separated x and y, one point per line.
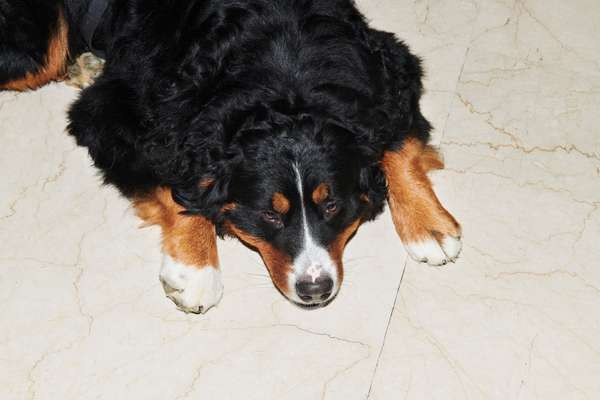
331	208
272	218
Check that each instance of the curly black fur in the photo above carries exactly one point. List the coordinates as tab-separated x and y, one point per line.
237	92
25	28
187	88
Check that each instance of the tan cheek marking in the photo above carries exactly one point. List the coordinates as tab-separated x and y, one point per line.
414	206
190	239
320	193
55	63
336	249
278	263
280	203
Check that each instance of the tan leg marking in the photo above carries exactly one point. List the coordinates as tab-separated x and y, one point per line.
189	239
55	63
429	232
190	271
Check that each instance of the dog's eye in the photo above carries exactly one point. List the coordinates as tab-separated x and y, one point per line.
272	218
331	208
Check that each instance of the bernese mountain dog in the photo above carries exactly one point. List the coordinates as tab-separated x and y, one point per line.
284	123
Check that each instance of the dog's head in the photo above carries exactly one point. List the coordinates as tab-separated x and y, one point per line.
277	137
296	196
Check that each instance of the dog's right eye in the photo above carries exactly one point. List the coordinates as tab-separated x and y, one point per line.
272	218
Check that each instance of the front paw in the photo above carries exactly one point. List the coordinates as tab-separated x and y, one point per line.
192	289
84	72
435	249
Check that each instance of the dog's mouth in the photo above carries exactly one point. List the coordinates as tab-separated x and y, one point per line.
313	306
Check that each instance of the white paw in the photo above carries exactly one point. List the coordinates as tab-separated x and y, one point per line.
193	289
433	252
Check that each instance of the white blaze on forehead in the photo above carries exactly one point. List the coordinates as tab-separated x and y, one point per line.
313	258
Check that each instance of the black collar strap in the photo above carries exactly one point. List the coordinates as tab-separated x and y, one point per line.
90	22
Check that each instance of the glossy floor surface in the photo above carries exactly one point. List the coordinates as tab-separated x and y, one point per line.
513	89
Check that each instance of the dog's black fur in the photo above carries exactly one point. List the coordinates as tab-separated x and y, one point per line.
25	27
236	93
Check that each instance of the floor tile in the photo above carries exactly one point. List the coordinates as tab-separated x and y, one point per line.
515	317
513	90
84	316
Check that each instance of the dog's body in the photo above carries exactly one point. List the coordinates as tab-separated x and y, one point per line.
285	123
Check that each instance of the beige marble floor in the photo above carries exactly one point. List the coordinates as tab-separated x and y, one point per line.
513	89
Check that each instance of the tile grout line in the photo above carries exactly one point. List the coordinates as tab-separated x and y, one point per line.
387	327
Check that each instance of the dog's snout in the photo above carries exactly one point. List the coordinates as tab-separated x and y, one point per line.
314	290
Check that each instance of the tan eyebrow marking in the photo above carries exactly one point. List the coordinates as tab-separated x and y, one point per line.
280	203
206	182
228	207
320	193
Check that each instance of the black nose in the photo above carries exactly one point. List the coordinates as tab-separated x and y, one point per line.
314	292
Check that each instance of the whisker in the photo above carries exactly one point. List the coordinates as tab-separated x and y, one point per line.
251	287
354	259
256	275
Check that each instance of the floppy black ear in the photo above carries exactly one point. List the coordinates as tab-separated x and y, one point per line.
137	147
208	192
207	197
402	78
107	120
373	184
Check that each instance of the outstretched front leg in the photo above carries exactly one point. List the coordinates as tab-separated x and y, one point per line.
190	272
429	233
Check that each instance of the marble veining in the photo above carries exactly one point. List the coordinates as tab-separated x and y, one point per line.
513	89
